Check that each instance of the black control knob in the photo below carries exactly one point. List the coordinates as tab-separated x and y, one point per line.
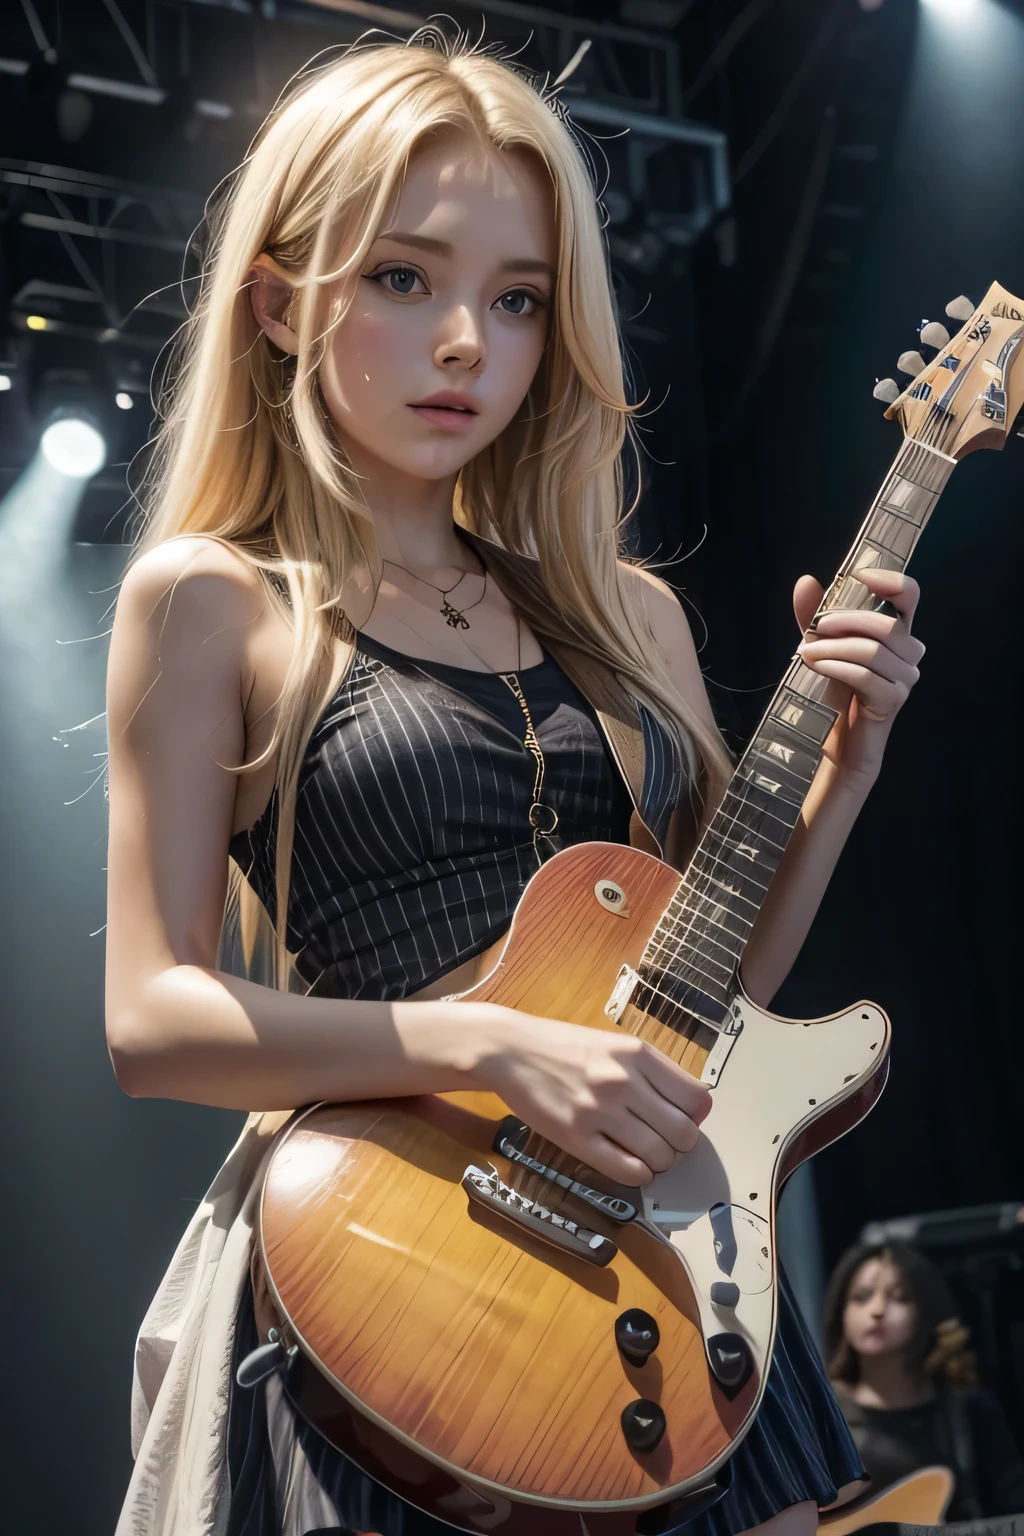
637	1335
725	1293
731	1361
643	1424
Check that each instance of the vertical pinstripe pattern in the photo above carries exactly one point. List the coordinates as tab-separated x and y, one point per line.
412	834
412	847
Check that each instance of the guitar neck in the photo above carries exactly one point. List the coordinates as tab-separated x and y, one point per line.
691	960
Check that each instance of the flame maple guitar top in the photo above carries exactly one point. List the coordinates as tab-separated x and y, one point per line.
482	1347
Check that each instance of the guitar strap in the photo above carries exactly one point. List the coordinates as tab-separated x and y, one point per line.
615	707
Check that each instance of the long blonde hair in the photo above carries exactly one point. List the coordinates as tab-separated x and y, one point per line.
246	453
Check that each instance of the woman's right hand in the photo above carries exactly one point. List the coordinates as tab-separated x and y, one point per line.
611	1100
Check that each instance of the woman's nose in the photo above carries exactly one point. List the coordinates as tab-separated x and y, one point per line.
461	340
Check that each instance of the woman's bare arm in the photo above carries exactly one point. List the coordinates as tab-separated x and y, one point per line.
176	1026
871	654
179	1028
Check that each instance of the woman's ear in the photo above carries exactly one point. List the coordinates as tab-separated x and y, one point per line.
270	290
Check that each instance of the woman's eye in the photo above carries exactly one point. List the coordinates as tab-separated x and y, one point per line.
518	302
397	279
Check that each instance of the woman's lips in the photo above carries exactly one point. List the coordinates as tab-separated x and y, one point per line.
446	417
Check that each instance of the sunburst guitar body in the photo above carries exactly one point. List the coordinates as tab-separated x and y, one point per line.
492	1330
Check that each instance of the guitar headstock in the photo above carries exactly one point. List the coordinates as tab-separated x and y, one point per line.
969	395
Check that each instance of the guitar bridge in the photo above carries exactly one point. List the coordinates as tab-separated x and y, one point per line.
488	1190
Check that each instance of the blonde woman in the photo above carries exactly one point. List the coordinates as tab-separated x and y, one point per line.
357	656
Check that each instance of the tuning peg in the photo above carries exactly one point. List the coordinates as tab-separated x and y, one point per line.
887	390
935	335
960	309
911	362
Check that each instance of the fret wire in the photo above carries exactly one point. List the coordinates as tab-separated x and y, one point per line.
685	936
908	486
779	766
733	820
740	874
710	832
712	980
669	955
761	811
687	911
722	886
705	936
668	950
703	895
690	913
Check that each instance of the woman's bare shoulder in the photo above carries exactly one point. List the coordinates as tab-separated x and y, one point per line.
195	594
657	599
670	631
206	566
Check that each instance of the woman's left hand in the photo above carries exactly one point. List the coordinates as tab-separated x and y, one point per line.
874	655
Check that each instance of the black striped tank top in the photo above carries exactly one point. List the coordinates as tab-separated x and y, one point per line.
413	840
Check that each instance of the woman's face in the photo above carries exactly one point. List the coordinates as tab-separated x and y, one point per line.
880	1315
450	315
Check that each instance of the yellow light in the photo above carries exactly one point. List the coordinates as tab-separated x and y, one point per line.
36	322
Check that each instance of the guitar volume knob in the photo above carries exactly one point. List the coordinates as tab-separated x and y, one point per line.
643	1424
731	1361
637	1335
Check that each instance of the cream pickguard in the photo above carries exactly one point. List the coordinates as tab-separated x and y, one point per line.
717	1205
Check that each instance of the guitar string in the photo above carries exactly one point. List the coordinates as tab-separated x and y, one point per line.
939	418
904	461
680	937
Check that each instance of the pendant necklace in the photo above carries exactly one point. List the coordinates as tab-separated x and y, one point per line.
454	617
543	818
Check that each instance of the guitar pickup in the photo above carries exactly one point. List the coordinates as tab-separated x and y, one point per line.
511	1139
488	1190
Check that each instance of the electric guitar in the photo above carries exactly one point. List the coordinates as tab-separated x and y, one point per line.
494	1331
920	1498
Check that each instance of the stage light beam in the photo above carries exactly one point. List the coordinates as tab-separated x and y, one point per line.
74	447
957	10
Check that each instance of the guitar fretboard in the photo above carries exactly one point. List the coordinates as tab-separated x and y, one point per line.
689	967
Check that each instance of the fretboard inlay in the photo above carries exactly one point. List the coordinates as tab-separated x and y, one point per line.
688	970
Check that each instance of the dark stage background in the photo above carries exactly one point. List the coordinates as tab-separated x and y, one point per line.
853	171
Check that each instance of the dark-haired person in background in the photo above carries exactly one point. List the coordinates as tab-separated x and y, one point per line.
908	1385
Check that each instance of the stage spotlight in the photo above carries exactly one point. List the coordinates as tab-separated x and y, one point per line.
71	397
74	447
123	400
955	8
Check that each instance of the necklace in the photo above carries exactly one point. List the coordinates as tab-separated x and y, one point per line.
543	818
454	617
